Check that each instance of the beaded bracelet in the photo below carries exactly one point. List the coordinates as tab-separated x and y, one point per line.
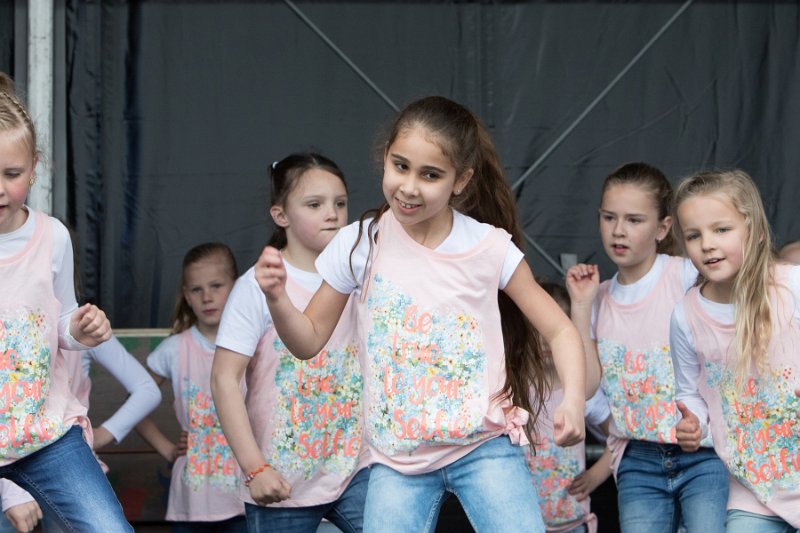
252	475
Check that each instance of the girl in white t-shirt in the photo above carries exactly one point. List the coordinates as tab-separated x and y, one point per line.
447	380
203	493
297	435
736	345
625	321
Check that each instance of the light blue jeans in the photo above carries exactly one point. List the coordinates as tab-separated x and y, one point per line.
347	513
744	522
69	486
660	487
492	483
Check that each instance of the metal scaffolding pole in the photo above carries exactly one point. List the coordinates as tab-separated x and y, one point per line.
40	98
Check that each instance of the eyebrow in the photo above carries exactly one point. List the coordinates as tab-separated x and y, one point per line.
424	167
624	214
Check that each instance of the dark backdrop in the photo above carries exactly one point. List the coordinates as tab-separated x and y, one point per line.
176	109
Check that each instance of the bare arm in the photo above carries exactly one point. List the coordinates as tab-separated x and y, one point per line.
226	374
153	436
586	483
582	284
304	334
555	327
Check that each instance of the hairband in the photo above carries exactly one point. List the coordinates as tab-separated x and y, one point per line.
274	164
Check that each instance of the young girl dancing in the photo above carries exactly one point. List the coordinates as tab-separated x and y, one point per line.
559	473
447	380
203	491
659	486
735	341
298	434
42	447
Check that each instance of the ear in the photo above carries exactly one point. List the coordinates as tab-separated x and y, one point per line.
663	228
462	181
279	216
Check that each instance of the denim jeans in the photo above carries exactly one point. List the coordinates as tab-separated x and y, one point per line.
660	487
743	522
347	512
69	486
492	483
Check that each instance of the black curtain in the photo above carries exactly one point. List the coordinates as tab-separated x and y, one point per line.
7	36
177	108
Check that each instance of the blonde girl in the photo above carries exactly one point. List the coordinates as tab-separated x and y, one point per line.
42	446
447	380
736	341
203	493
625	321
298	434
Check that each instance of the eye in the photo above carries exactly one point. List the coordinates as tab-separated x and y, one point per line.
635	220
691	236
313	205
216	286
195	290
341	204
400	165
429	175
13	174
607	218
723	230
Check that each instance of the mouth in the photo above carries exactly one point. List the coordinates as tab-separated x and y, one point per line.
619	248
209	312
405	205
712	261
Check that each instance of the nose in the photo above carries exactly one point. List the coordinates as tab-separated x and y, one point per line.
618	229
706	243
207	297
409	185
330	212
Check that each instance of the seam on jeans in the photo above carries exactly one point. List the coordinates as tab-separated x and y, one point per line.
435	507
43	496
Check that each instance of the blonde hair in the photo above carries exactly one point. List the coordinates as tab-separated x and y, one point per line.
14	115
751	287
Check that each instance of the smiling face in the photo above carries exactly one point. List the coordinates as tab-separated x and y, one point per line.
207	284
715	236
17	163
630	229
311	215
418	182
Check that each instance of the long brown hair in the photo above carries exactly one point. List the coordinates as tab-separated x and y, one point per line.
183	317
487	197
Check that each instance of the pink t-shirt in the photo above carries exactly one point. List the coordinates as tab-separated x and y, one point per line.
554	467
36	407
205	481
307	416
638	378
435	351
754	425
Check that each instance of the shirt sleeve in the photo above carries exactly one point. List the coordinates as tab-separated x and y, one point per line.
144	395
162	360
514	257
597	409
246	317
686	365
688	275
64	284
334	263
12	494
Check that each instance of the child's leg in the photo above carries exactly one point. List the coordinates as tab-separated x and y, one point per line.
494	486
70	487
348	511
703	490
644	494
284	519
744	522
402	503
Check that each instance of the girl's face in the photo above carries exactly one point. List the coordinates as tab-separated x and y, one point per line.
629	228
313	212
16	169
207	285
418	181
715	236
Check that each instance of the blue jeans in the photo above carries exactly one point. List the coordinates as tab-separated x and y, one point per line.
660	487
743	522
347	512
69	486
492	483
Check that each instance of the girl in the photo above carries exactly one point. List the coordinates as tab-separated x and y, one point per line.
202	493
559	473
442	412
735	339
19	507
298	434
658	485
42	447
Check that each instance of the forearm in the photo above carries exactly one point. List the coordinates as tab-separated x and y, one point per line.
570	363
155	438
235	423
581	316
294	328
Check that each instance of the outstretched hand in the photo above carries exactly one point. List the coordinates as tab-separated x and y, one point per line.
271	273
582	283
89	325
688	430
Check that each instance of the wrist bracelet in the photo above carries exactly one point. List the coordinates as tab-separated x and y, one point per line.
252	475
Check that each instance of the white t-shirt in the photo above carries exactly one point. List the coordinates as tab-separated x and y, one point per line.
634	292
465	235
596	412
246	317
164	359
63	270
684	358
